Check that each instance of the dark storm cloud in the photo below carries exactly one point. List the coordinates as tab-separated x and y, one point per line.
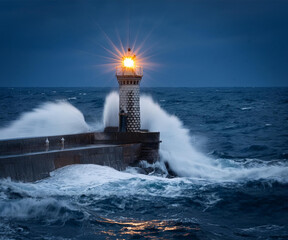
193	43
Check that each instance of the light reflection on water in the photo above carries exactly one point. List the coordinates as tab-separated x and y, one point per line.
148	229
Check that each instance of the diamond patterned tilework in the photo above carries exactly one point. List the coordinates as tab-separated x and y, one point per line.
129	95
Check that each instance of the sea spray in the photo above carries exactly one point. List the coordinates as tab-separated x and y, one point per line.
176	147
178	151
111	110
52	118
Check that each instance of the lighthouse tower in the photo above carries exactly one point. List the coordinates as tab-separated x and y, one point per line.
129	76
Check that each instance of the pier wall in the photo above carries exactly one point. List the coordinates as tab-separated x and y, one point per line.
150	142
31	159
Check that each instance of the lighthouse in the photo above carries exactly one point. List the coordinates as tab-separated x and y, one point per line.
117	147
129	76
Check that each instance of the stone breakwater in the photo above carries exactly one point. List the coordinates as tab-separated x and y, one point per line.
31	159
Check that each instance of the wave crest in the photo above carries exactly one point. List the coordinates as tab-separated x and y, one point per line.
47	120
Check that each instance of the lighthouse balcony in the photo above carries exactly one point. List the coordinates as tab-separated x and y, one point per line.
124	71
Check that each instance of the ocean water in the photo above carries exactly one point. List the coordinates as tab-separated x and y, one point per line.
227	146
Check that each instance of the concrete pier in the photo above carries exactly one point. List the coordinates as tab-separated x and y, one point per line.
31	159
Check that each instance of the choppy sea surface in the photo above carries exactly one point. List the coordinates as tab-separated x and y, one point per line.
227	146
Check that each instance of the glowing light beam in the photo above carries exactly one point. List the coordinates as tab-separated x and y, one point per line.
129	62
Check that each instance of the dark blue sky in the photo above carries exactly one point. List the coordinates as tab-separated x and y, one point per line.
205	43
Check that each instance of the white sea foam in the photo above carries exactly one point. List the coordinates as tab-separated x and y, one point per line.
246	108
93	183
54	198
48	119
31	208
99	181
